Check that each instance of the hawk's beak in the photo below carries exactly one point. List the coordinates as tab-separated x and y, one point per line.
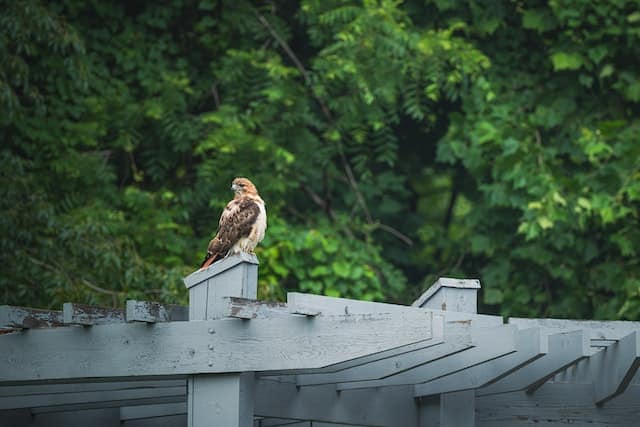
234	187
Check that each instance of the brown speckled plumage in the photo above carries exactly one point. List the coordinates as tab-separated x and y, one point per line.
242	223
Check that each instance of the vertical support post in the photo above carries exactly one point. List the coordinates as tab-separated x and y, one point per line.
457	409
221	399
451	295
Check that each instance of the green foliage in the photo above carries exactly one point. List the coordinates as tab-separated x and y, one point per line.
393	143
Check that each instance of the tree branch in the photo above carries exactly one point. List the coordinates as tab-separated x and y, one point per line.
216	95
307	78
395	232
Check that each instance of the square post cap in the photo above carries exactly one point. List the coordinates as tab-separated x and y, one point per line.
219	267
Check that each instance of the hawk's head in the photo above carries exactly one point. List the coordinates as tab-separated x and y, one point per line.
242	186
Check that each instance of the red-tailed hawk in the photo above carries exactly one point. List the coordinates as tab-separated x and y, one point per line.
242	223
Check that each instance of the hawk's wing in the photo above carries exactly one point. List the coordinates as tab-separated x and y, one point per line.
236	222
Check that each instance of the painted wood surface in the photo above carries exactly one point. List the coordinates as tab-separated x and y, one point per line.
558	405
80	395
613	368
221	400
389	406
218	268
25	318
88	315
449	294
336	306
598	329
245	308
458	409
152	312
128	413
390	366
216	346
529	346
107	417
490	343
564	349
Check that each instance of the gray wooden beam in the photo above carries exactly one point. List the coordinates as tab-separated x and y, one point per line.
613	368
529	346
152	411
388	407
565	349
75	394
167	421
351	363
244	308
558	404
82	314
598	329
25	318
459	330
107	404
76	387
393	406
390	366
152	312
106	417
340	306
213	346
490	343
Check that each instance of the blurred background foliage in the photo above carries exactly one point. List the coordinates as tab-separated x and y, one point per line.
394	142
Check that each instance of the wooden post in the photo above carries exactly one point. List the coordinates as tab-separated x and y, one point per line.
457	409
451	295
221	399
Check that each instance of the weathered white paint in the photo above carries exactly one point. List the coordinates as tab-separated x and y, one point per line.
502	341
564	349
152	312
23	317
449	294
221	400
529	346
81	314
213	346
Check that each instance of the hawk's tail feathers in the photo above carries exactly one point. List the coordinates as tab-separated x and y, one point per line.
208	260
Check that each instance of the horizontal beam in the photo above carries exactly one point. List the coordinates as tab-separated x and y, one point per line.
529	346
389	366
597	329
319	404
30	390
128	413
564	349
212	346
613	368
394	406
558	404
244	308
340	306
74	394
26	318
87	315
152	312
437	323
489	343
91	399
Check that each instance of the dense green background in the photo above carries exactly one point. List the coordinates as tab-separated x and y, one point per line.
393	142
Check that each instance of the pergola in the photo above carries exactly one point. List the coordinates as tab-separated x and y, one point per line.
228	360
